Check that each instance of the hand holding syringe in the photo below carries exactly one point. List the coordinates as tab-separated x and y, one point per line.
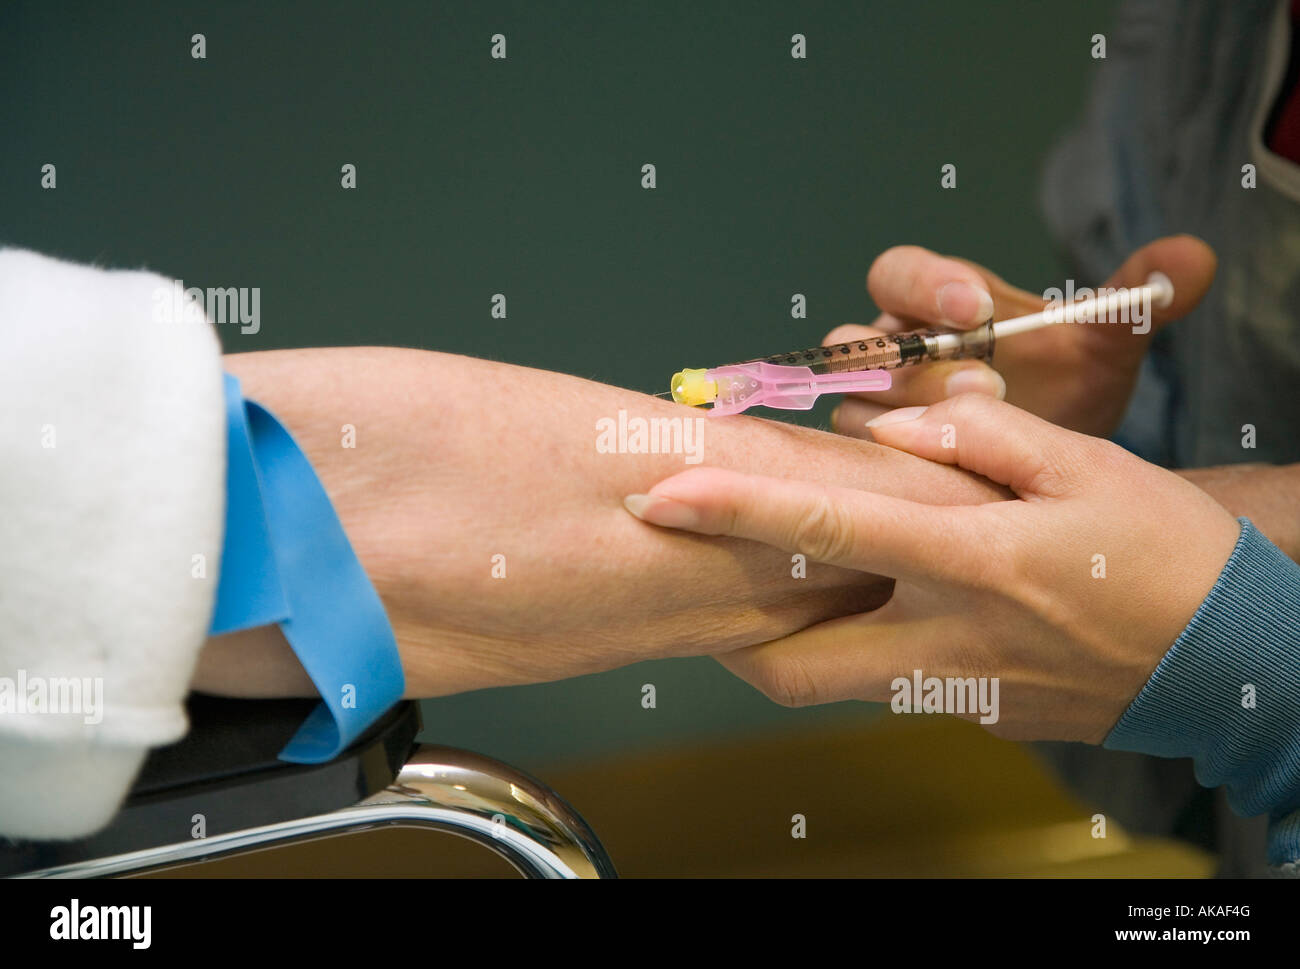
794	381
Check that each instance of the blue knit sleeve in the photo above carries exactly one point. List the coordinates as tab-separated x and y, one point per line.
1227	694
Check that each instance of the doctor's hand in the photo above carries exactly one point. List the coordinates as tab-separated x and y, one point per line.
1077	375
1070	595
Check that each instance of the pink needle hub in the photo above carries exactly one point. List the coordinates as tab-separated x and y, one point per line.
744	385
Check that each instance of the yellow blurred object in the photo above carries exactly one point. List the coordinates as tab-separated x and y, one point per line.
900	796
694	388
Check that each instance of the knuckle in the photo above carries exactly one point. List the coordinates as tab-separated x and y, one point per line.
967	407
989	573
787	681
1107	455
952	415
969	659
1074	462
824	531
730	516
1006	558
1010	559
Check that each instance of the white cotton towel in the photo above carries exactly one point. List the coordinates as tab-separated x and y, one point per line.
112	482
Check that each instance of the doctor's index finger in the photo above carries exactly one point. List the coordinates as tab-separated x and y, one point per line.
836	526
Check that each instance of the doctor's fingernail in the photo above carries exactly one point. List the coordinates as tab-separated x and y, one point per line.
962	303
898	416
662	511
979	380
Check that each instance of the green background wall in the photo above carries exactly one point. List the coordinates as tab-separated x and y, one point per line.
479	176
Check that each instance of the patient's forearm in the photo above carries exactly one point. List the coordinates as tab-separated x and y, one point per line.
458	460
1267	494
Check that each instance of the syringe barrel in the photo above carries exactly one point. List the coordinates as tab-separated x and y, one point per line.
890	351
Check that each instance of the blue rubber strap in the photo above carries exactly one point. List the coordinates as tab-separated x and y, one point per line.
249	592
287	560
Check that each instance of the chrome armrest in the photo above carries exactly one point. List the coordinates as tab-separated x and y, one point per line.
440	788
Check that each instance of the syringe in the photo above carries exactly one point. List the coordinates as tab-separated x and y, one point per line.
794	381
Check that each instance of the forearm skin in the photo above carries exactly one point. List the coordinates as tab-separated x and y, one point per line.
1267	494
458	460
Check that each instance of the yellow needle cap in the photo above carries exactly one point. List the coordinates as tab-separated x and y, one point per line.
694	388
